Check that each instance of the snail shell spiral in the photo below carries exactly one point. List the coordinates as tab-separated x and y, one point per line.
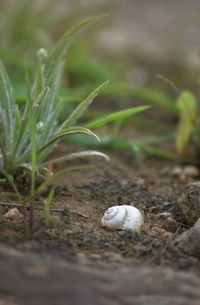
122	217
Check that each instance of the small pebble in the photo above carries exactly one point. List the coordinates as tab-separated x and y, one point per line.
177	171
191	171
186	172
13	214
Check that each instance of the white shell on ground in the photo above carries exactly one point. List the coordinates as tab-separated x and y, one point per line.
122	217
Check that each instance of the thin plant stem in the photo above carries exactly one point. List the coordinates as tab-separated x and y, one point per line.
31	224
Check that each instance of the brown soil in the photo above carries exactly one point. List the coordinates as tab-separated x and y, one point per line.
81	198
74	233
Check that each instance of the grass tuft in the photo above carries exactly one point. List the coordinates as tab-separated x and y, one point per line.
29	133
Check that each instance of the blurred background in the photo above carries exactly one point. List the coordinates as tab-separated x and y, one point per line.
135	43
146	37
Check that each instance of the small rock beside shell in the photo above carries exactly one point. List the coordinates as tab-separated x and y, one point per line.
13	214
183	173
191	171
123	217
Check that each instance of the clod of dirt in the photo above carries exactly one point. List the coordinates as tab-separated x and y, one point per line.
189	241
195	239
189	203
13	214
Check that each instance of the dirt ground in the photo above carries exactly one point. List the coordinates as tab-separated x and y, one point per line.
74	234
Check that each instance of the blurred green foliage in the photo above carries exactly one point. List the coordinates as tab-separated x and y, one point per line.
27	25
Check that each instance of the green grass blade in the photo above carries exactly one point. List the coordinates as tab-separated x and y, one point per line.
17	123
109	141
7	107
39	82
70	169
121	89
159	152
53	86
78	155
78	112
115	116
59	51
67	132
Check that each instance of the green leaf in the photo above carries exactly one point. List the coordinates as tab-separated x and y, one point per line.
7	108
115	116
186	103
69	169
67	132
108	141
78	155
39	82
122	89
78	112
157	151
17	122
59	51
187	106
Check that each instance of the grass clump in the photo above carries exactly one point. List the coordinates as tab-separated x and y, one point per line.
29	133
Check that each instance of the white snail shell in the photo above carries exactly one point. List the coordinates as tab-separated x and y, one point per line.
122	217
